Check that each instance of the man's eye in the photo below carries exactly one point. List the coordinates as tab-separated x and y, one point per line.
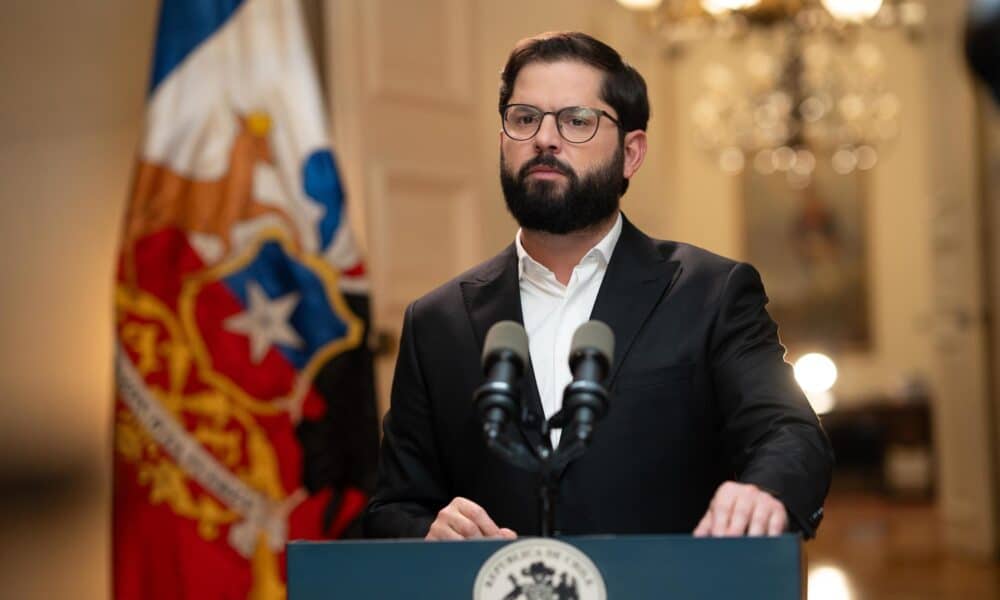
577	119
525	119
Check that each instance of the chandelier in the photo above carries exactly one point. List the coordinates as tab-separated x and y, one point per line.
805	88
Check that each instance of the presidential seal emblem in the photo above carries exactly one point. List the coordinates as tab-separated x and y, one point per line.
539	569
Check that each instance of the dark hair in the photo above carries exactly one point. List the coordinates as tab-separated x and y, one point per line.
623	89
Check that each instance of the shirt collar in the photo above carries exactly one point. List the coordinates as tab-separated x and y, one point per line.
602	249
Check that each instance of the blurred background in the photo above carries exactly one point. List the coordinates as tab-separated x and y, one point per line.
844	147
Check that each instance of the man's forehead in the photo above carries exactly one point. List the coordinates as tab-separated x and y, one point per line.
555	84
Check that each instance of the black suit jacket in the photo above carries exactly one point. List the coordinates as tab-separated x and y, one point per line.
700	394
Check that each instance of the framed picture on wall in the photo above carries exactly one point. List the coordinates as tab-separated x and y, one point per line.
811	248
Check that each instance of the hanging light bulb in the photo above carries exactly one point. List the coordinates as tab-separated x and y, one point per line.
717	7
853	10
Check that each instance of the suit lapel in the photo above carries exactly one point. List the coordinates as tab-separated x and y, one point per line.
493	294
638	277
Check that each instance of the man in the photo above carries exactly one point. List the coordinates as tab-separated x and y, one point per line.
707	431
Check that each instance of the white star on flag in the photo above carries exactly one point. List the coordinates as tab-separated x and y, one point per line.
265	321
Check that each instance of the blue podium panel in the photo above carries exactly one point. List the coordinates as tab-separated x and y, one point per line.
673	567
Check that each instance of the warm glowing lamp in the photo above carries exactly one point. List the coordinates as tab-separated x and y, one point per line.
640	4
717	7
829	583
816	374
853	10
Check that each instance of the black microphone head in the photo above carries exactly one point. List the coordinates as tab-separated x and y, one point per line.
593	337
505	335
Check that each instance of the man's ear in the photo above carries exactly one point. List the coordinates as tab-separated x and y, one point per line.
635	152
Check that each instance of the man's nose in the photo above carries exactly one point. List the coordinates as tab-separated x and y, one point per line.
548	138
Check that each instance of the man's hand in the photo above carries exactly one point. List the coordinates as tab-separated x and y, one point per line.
463	519
739	509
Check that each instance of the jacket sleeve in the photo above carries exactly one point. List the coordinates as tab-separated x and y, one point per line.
770	433
410	487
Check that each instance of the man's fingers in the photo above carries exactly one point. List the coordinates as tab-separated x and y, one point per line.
739	517
704	526
742	509
759	520
463	519
722	510
451	516
462	525
441	531
778	522
477	515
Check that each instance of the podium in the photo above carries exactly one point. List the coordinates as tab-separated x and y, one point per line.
663	567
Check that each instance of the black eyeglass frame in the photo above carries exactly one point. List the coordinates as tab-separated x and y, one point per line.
555	114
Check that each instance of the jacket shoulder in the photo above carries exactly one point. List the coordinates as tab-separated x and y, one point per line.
448	296
695	260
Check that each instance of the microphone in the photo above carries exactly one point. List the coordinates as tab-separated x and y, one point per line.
585	401
505	353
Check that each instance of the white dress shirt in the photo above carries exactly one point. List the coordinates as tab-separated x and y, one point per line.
552	312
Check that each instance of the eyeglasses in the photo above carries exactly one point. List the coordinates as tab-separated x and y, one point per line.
576	124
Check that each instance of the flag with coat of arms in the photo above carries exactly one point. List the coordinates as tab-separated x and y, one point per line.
244	413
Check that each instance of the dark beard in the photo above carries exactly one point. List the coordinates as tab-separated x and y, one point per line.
537	205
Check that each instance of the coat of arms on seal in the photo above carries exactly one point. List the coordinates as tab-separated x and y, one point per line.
539	569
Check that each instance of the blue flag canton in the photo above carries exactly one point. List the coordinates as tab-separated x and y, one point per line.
184	25
314	318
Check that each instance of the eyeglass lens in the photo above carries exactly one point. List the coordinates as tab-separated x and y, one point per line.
575	123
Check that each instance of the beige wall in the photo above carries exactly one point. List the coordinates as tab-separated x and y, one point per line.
73	76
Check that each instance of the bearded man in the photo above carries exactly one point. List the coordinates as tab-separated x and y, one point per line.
707	433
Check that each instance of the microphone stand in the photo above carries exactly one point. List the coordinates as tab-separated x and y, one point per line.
552	462
548	492
585	401
542	459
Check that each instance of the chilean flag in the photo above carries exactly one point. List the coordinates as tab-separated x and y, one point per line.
244	413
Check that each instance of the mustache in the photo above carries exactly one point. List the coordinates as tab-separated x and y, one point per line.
545	160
